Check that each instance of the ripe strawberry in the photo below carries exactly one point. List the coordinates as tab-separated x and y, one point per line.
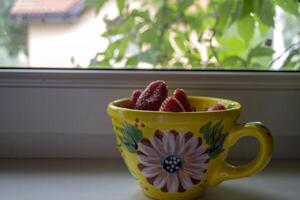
171	104
152	97
181	96
134	96
216	107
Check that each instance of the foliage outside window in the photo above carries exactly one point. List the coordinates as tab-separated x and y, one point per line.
200	34
12	35
181	34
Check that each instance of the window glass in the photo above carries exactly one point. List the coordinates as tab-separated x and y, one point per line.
151	34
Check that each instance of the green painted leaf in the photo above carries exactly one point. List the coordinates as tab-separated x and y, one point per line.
130	148
119	129
205	127
265	10
220	142
133	132
120	138
216	153
214	137
245	27
291	6
131	137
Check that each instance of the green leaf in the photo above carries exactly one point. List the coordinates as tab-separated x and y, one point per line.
260	51
122	46
142	14
205	127
248	7
263	29
233	62
288	63
97	4
148	56
265	11
184	4
237	11
291	6
180	38
102	64
245	27
132	61
232	46
148	36
121	5
224	11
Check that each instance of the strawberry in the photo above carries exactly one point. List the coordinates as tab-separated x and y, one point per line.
171	104
181	96
134	96
216	107
153	96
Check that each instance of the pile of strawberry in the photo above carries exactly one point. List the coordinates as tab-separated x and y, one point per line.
155	97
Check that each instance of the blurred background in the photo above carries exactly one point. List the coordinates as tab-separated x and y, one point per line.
151	34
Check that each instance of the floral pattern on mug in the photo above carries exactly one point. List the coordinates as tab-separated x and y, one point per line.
173	162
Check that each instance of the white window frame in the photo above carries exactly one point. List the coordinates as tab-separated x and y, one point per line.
62	113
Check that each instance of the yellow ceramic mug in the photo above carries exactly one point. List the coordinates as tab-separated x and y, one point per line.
177	155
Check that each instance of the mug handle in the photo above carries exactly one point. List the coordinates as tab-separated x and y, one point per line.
257	130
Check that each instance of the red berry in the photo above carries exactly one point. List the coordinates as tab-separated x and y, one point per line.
171	104
153	96
134	96
216	107
181	96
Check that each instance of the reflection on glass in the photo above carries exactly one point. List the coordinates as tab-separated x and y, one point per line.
153	34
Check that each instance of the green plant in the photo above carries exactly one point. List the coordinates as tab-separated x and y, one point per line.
225	34
12	34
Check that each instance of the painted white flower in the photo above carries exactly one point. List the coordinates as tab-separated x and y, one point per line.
173	162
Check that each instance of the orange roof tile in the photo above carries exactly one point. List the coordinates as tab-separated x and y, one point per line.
42	6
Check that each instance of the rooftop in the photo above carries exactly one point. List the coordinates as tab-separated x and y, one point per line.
46	10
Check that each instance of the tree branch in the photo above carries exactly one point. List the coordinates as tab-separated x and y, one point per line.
283	53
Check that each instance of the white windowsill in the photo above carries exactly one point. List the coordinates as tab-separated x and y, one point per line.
62	113
109	179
